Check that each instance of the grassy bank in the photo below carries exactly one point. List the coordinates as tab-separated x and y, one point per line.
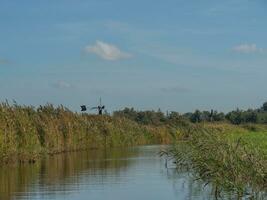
26	132
228	157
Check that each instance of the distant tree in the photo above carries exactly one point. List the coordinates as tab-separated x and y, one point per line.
187	115
264	107
158	118
205	116
128	113
235	117
251	116
196	117
161	117
173	115
218	116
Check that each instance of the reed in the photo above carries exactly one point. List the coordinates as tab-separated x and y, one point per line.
27	132
227	163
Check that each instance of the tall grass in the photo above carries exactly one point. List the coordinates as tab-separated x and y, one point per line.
227	164
26	132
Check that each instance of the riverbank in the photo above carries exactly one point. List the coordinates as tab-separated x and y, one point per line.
27	133
229	157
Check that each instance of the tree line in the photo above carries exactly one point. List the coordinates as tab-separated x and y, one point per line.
237	116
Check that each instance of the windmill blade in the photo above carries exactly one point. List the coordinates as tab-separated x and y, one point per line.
83	108
103	107
93	108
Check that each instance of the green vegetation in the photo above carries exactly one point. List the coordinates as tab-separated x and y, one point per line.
254	139
232	158
26	132
228	151
238	116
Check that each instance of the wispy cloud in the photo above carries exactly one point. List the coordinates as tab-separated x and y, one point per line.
4	61
62	85
187	58
175	89
247	48
107	51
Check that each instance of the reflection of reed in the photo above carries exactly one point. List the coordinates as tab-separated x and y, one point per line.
15	179
63	172
185	182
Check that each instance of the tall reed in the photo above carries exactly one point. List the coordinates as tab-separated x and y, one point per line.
27	132
228	165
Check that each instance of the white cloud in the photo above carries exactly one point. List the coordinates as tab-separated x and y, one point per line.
107	51
62	84
247	48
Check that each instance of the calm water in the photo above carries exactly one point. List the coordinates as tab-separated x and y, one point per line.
125	173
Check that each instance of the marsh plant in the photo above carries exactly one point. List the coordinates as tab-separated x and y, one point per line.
27	132
227	165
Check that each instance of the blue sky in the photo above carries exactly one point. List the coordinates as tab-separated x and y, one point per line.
174	54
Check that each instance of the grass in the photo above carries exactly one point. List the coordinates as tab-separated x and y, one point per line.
230	158
26	133
254	135
256	140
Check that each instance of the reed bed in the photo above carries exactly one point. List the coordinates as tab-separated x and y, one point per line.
230	164
27	132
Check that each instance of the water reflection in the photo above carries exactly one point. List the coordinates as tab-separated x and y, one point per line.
128	173
64	172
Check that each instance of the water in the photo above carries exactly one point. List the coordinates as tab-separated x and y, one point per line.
123	173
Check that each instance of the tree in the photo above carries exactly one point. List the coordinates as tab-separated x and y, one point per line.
205	116
251	117
218	116
196	117
235	117
264	106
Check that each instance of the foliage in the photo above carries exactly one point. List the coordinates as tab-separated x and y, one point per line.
26	132
239	116
158	118
227	161
264	106
142	117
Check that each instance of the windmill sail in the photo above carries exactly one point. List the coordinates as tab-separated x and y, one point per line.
83	108
100	108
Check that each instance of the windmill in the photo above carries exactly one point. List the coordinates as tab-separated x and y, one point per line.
100	107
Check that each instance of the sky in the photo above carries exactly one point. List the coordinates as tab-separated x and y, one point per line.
177	55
